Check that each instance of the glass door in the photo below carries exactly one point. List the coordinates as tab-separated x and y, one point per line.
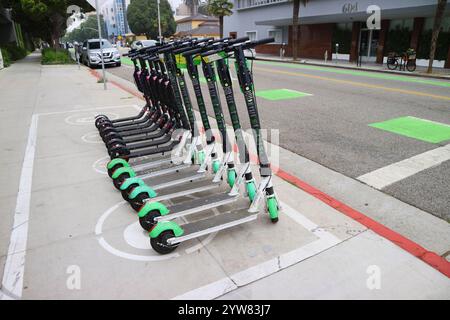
368	40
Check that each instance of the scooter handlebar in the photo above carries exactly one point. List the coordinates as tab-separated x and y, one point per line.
255	43
226	46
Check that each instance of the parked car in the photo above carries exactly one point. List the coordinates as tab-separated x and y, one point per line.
138	44
90	53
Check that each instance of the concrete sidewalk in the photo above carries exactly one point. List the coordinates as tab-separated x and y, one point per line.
69	220
438	73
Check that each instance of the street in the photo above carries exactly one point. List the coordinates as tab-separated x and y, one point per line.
331	124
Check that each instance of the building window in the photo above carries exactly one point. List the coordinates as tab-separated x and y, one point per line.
254	3
251	35
277	34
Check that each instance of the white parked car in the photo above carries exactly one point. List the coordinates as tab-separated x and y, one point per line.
138	44
90	53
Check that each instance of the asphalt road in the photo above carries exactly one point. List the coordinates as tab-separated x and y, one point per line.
331	124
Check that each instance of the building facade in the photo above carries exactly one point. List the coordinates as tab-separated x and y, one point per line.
115	15
340	29
198	25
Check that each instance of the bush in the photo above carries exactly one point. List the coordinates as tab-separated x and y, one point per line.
6	58
56	56
15	52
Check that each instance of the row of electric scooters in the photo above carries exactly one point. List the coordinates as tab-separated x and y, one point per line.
161	153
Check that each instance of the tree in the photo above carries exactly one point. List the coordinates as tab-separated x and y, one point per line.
142	18
193	6
45	19
87	30
295	26
436	29
220	9
203	8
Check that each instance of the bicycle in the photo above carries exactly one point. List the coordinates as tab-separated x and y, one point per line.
405	61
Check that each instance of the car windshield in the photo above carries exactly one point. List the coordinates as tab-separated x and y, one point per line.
96	44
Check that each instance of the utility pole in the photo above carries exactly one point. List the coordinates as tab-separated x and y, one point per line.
101	42
159	24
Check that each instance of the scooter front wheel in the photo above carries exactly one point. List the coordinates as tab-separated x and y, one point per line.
160	245
272	207
148	221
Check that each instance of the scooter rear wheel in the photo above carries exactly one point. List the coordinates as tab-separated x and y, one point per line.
160	245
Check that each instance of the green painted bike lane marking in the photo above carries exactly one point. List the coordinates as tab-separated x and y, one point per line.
412	127
127	61
280	94
367	74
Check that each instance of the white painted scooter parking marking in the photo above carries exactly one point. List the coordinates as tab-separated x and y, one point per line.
100	165
86	119
216	289
92	137
12	280
139	239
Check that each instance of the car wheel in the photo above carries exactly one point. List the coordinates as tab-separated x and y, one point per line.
118	64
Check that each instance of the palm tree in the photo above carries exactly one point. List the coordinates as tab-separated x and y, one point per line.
436	29
295	26
220	8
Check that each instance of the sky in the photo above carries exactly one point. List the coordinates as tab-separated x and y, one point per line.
173	3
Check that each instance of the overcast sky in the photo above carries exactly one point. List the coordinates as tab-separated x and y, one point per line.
173	3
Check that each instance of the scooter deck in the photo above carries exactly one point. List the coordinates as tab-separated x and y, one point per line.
197	205
155	150
141	165
185	190
160	172
171	181
213	224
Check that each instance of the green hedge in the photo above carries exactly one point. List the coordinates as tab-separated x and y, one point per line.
6	58
344	38
56	56
442	45
15	52
398	40
11	52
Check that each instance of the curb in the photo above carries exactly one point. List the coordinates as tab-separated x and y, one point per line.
410	74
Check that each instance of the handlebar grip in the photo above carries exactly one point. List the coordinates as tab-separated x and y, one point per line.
262	41
238	40
193	51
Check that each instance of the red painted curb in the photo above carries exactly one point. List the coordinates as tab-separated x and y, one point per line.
429	257
130	91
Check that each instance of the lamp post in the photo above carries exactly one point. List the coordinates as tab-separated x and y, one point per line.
159	24
101	44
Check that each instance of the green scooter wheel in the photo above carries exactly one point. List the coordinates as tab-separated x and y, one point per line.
216	166
272	207
201	157
160	245
231	177
148	221
251	190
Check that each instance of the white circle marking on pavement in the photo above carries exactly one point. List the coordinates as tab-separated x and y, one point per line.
136	237
87	118
92	137
100	165
130	256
